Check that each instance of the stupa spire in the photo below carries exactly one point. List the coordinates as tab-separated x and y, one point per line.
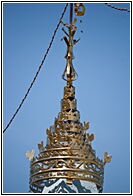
68	162
69	73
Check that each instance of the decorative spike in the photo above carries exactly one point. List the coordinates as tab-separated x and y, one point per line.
30	155
65	32
66	40
86	125
90	138
69	73
40	146
107	158
75	20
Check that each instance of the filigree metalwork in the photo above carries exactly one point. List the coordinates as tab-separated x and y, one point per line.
68	153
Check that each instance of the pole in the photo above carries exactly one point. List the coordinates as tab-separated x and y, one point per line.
71	12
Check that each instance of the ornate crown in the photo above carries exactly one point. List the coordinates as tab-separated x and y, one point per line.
68	153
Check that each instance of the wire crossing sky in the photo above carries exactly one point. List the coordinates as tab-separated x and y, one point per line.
52	39
102	61
121	9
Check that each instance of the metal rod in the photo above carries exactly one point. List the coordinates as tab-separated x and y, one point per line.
71	12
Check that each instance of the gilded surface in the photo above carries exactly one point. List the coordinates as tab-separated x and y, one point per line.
68	152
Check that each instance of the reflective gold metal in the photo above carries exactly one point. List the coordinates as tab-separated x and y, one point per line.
77	10
69	72
68	153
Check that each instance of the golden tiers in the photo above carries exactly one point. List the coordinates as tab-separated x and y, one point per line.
68	153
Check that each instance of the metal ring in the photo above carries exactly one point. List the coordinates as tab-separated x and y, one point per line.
76	9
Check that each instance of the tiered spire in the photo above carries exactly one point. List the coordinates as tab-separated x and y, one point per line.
68	153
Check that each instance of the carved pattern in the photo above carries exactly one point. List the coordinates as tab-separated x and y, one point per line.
69	91
71	115
68	104
68	152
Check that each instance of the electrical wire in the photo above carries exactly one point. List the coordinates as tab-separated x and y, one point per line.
114	7
50	44
52	39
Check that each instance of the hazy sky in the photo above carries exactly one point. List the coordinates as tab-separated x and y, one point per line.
102	61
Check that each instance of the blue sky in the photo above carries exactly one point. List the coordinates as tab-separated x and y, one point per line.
102	61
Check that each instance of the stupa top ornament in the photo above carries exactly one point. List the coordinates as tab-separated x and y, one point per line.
68	154
69	72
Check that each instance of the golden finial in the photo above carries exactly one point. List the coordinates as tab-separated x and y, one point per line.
69	73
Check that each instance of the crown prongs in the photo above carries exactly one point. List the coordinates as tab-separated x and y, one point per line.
90	138
107	158
30	155
86	125
41	146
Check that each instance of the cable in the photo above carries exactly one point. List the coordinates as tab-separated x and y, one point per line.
114	7
52	39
